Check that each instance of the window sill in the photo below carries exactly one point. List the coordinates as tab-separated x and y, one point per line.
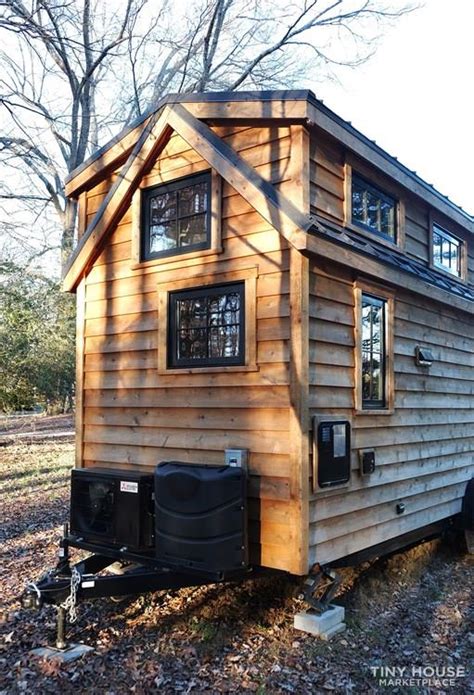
374	411
210	370
445	273
166	260
374	236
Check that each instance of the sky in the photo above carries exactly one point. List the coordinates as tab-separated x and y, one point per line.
415	97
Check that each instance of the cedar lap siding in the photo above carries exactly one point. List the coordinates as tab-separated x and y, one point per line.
281	166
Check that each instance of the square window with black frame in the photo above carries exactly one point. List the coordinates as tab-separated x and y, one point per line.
373	209
206	326
446	251
176	217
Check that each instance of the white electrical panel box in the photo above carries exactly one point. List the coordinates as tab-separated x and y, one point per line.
238	458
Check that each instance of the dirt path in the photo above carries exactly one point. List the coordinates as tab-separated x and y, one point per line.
29	429
413	611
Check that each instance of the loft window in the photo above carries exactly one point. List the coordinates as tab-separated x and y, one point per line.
176	217
447	251
206	326
372	208
373	351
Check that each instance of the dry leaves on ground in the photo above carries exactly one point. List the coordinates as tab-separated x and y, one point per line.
414	609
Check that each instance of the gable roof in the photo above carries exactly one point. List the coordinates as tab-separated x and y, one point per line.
295	105
262	195
136	149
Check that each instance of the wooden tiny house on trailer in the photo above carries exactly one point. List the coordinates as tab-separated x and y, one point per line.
253	273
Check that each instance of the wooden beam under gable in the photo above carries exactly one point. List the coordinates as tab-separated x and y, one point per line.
100	165
285	106
272	205
154	136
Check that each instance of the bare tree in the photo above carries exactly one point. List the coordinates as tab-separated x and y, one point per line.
74	71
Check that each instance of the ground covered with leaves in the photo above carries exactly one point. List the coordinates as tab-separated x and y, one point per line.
415	609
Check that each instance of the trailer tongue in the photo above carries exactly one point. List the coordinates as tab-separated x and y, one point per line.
184	526
108	573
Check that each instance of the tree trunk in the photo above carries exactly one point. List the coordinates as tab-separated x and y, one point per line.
69	234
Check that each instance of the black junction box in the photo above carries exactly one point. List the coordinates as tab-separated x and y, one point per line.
367	461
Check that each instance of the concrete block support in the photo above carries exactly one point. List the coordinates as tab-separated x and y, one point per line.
324	625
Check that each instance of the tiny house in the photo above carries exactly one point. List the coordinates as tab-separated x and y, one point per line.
258	283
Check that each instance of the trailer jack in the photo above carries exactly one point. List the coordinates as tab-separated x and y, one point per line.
319	588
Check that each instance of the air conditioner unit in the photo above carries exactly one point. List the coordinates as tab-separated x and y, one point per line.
201	517
112	508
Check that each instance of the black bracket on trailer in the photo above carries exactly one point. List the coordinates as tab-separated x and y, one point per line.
319	588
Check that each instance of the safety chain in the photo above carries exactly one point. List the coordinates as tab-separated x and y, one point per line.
70	603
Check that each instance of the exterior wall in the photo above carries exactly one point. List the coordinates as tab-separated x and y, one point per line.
328	159
135	417
130	415
424	450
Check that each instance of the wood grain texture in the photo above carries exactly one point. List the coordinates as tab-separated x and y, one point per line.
424	447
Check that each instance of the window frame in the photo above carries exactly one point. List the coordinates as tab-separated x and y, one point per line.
382	196
362	407
173	329
214	245
248	276
359	170
381	303
438	227
171	187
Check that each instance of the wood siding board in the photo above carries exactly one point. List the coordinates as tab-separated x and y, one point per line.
340	547
335	527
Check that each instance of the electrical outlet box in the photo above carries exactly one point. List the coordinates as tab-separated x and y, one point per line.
238	458
367	461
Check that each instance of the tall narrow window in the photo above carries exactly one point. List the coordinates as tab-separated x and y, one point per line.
373	351
372	208
447	251
206	326
176	217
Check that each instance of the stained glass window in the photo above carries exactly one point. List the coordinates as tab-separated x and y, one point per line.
373	209
373	351
206	326
176	217
446	251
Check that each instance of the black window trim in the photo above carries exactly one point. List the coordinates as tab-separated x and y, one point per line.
384	196
438	229
174	185
204	291
377	404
